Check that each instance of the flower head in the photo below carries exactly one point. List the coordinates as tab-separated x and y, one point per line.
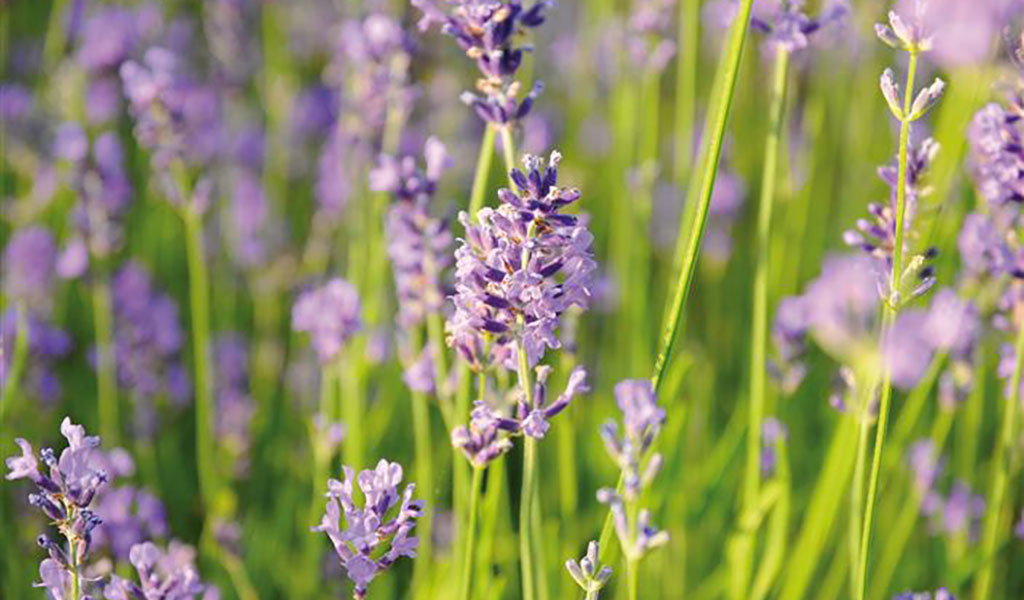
788	26
520	267
369	539
163	575
587	573
330	314
65	490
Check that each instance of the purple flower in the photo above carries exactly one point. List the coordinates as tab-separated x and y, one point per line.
487	31
877	237
637	536
907	30
371	538
65	490
906	349
487	435
773	432
642	419
952	325
520	267
962	511
925	464
419	376
46	345
1018	529
330	314
147	341
841	305
28	266
996	136
983	249
130	516
249	220
586	573
788	27
417	242
163	575
940	594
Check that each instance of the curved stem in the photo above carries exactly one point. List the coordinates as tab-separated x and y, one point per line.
483	170
759	333
686	86
715	126
891	310
110	428
468	554
199	305
994	533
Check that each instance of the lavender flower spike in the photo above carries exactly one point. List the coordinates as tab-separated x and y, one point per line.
64	493
519	268
330	314
586	573
373	537
906	32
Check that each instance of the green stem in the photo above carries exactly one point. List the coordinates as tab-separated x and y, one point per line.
528	486
508	150
759	334
891	310
857	493
526	518
465	584
110	428
199	304
424	474
483	170
632	583
56	38
11	385
351	403
718	117
997	496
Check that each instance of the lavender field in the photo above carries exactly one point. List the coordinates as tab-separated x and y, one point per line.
512	299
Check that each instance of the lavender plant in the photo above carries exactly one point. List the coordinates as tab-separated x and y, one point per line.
65	491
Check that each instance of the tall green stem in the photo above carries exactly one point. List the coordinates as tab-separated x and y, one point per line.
718	117
891	310
483	169
528	487
857	495
1003	465
351	403
110	428
759	333
199	304
508	150
465	584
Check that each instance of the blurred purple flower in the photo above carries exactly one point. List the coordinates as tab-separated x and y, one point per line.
130	516
788	26
147	339
163	575
330	314
373	537
29	266
996	136
905	349
642	419
234	405
46	345
773	431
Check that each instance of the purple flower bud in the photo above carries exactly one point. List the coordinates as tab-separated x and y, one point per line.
28	266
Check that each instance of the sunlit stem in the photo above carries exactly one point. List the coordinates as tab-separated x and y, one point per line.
891	310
